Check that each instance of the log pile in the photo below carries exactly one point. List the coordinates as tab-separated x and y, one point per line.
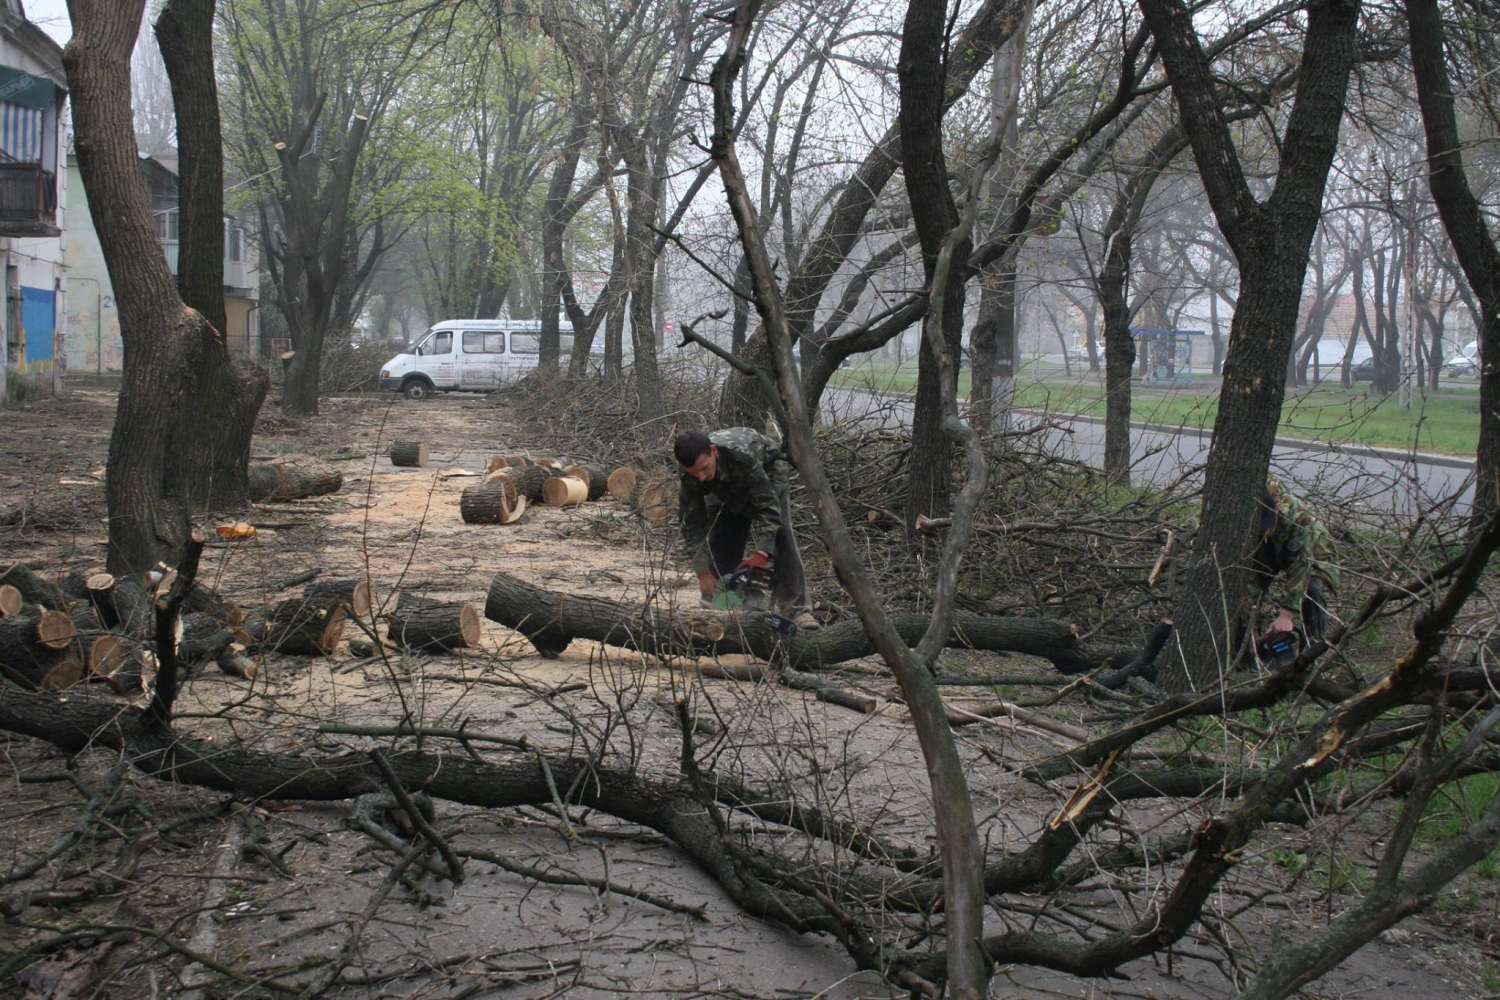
103	627
292	479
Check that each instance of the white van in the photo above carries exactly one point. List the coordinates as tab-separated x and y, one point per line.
471	355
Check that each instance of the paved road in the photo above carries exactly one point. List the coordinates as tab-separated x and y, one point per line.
1382	481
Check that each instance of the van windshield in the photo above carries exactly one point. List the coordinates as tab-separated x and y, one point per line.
418	347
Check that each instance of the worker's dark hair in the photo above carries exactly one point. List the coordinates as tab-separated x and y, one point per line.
689	446
1267	520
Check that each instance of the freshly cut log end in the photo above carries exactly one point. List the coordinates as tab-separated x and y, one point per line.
528	480
492	502
654	501
237	664
291	480
622	482
352	595
495	464
32	642
34	589
546	463
239	529
11	601
62	676
409	454
55	629
516	462
565	491
422	623
596	476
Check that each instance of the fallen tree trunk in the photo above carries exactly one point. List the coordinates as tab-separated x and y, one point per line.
291	480
552	620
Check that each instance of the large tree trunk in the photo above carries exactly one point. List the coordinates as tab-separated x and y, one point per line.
1271	240
210	444
920	69
1467	231
163	339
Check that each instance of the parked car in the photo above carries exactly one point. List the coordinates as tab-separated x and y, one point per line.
1078	352
1465	362
1363	371
471	355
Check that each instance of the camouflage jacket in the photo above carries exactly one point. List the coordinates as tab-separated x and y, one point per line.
1299	549
751	481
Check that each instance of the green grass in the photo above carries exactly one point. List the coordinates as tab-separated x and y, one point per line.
1447	422
1454	810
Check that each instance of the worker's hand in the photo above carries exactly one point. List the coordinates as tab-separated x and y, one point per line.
1283	622
757	560
707	582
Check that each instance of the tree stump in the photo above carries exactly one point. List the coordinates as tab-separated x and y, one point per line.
528	480
565	491
622	482
32	642
654	501
409	454
11	601
295	628
596	476
352	595
493	502
422	623
291	480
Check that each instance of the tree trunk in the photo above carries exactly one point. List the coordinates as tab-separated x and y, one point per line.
554	223
210	444
1463	219
1271	241
164	340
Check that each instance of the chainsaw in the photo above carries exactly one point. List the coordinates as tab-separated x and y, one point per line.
736	591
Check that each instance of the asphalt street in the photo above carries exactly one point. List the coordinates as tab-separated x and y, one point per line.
1382	482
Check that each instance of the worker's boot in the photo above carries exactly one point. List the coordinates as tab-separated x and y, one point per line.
806	622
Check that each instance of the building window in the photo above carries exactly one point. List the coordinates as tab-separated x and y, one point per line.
166	224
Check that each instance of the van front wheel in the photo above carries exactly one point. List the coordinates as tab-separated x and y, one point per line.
416	389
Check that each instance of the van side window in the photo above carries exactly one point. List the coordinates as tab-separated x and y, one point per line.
442	343
478	342
525	343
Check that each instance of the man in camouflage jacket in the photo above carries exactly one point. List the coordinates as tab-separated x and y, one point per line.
1296	549
734	493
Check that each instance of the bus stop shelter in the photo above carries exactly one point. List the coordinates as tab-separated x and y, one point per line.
1165	357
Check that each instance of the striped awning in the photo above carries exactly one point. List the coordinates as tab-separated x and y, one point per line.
20	134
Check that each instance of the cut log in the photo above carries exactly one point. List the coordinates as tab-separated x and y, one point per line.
516	462
495	464
654	501
492	502
565	491
122	604
206	600
552	620
295	628
74	586
292	480
32	642
528	480
63	675
422	623
235	530
34	589
11	601
236	664
596	476
352	595
204	637
622	483
409	454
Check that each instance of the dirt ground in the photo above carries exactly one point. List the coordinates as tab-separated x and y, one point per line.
269	891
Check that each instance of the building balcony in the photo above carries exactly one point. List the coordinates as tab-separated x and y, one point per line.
28	201
239	275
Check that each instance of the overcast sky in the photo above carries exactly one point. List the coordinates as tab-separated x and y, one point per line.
51	16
